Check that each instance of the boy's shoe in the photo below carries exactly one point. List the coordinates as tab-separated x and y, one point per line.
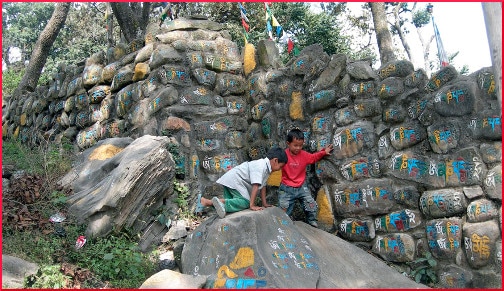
219	207
313	223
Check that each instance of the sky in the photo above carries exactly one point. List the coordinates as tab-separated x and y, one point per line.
462	28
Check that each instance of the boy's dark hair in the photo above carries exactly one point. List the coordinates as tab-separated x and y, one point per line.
295	134
278	153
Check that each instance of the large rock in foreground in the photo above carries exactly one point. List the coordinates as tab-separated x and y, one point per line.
121	182
265	249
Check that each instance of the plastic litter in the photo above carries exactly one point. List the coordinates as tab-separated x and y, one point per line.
80	242
58	217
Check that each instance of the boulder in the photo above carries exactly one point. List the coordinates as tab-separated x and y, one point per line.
121	182
266	249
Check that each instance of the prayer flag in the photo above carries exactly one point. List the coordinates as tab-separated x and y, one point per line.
443	59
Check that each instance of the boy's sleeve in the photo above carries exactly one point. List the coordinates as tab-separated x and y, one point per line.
315	157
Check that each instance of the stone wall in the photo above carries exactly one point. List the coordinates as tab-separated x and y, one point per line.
416	164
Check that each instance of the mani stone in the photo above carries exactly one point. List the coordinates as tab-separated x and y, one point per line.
400	68
398	221
441	78
455	100
443	136
355	229
481	210
350	140
443	203
397	247
479	240
444	237
493	183
370	197
453	276
406	135
389	88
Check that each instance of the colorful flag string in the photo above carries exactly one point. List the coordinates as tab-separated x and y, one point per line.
244	20
271	22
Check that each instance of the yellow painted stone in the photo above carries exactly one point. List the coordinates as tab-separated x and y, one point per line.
23	119
16	133
296	106
325	214
4	130
104	152
275	178
141	71
244	258
249	62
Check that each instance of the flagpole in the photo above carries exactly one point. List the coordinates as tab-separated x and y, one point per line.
443	58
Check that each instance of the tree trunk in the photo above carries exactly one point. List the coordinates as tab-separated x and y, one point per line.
42	47
110	26
397	26
383	36
493	22
132	18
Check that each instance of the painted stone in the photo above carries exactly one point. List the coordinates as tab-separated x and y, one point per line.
367	108
349	141
228	84
407	135
355	229
407	196
91	75
399	247
389	88
453	276
455	100
443	203
400	68
479	242
491	153
493	183
394	114
416	79
441	77
369	197
481	210
321	100
398	221
486	83
345	116
204	76
486	125
444	237
443	136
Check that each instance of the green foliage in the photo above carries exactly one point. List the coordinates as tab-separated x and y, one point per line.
48	277
421	18
23	158
424	271
182	192
22	23
11	79
116	259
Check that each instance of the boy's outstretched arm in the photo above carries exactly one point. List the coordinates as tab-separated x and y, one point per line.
263	198
253	195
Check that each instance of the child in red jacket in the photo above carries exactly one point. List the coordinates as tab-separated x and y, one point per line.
293	185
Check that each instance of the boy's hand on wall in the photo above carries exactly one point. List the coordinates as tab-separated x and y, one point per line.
328	149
